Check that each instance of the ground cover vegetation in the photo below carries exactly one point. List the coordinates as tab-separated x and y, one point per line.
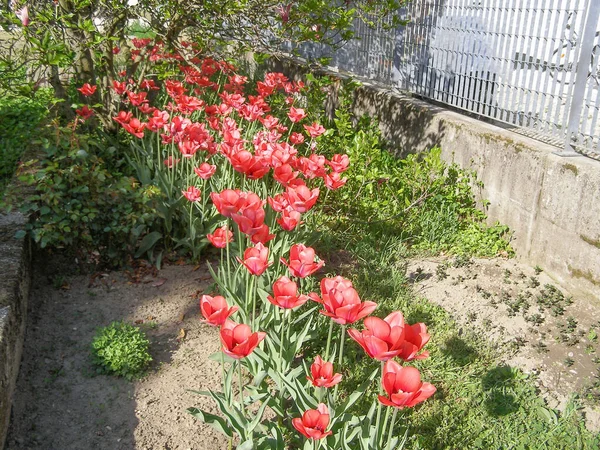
206	156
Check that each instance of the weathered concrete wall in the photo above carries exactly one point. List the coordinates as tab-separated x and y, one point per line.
551	203
15	278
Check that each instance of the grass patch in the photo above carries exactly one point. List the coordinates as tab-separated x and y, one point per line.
480	403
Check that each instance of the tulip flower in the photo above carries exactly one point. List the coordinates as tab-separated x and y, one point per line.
192	194
227	202
262	235
382	339
339	163
85	113
334	180
289	219
285	294
301	198
255	259
341	301
23	15
215	309
296	114
302	261
314	130
87	90
313	423
205	171
135	127
170	162
221	237
415	338
239	340
403	386
322	374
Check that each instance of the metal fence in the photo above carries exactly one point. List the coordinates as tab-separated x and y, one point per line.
534	64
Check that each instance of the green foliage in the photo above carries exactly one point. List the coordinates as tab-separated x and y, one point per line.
423	199
84	199
480	402
121	349
20	117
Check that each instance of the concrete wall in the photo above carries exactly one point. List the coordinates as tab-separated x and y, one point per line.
15	279
551	203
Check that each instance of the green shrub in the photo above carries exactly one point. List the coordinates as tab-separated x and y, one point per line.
20	117
121	349
429	203
86	200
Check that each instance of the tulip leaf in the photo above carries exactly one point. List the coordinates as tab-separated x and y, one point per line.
218	423
218	355
352	398
148	242
250	428
237	421
248	445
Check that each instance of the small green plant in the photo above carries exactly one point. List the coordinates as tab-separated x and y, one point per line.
121	349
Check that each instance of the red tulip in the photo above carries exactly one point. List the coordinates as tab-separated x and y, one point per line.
314	130
215	309
206	170
381	339
256	259
302	261
403	386
296	114
322	374
87	89
227	202
415	338
221	237
339	163
341	301
123	117
170	162
334	180
85	113
289	219
262	235
285	294
301	198
135	127
239	340
120	87
192	194
313	423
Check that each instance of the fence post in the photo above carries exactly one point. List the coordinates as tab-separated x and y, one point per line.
581	76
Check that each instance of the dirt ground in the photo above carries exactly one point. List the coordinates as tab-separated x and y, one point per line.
62	404
536	323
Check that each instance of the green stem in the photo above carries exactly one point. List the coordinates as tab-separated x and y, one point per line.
283	316
241	388
389	444
341	357
253	284
385	422
379	407
329	340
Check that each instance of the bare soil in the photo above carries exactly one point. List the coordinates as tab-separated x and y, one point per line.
61	403
539	326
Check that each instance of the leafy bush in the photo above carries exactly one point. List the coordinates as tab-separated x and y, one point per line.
20	117
423	199
84	198
121	349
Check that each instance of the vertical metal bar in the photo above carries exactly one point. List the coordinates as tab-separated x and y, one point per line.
585	52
